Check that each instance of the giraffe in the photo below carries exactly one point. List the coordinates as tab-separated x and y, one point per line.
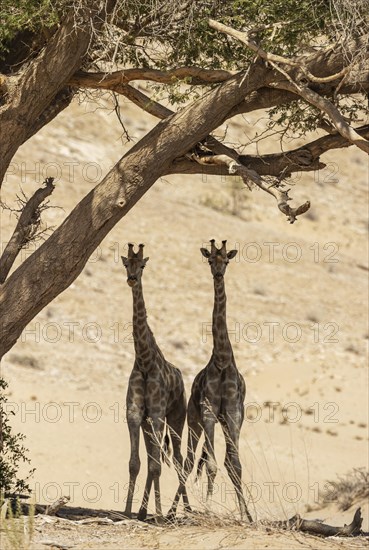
155	395
217	394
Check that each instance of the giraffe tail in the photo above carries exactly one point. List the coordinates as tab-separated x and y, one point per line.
166	450
201	462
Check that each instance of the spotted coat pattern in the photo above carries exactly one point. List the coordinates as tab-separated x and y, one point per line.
155	396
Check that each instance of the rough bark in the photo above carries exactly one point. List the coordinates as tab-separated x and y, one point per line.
57	263
34	89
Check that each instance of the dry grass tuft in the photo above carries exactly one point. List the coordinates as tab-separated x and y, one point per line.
348	489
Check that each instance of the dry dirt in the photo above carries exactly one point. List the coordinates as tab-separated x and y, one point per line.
297	316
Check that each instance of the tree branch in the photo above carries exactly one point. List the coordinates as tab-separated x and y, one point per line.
194	75
303	159
291	84
329	109
277	164
223	155
299	64
159	111
145	103
27	225
52	509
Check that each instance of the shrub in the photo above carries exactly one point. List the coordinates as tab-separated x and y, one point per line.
12	452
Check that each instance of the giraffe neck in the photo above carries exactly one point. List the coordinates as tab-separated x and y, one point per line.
222	348
144	341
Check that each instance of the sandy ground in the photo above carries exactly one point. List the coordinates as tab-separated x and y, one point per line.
297	317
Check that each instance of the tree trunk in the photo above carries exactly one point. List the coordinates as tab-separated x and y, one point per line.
33	90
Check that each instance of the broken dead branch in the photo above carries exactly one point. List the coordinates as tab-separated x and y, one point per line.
27	227
73	513
276	189
53	508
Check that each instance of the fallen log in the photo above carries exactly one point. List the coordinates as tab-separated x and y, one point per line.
296	523
58	509
315	527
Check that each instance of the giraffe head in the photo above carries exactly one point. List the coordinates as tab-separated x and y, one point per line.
134	264
218	258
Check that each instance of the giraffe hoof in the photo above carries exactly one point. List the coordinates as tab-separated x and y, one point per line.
171	516
159	520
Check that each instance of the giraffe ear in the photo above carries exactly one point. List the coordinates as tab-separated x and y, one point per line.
146	260
124	260
205	252
231	254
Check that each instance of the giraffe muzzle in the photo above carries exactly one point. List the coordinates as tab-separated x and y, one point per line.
132	281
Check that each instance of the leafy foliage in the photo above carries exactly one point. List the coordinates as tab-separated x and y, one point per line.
13	452
25	15
185	37
153	34
162	35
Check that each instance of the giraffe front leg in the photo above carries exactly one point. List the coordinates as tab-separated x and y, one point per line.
153	432
234	469
210	406
232	462
134	421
